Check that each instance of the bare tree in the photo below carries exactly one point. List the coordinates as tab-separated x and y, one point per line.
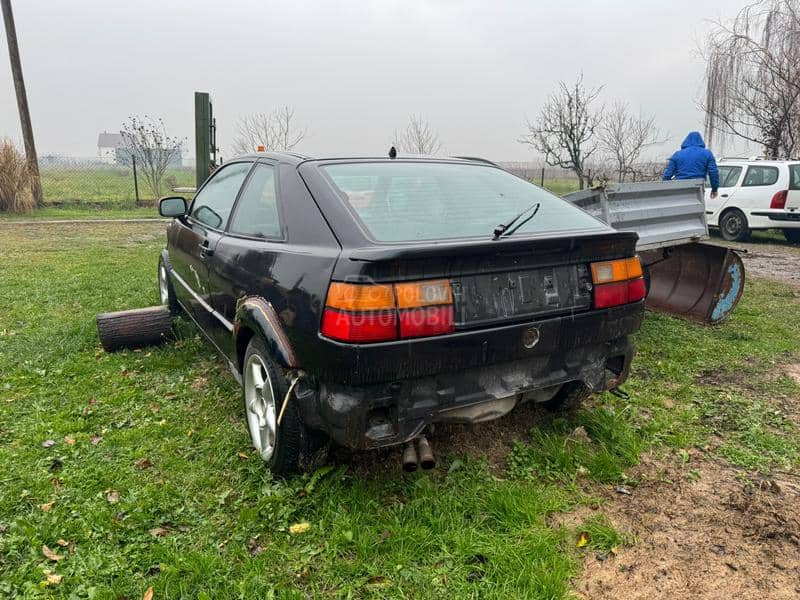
417	138
275	131
565	131
625	136
753	77
147	141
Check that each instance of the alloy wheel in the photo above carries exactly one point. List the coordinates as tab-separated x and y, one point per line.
260	406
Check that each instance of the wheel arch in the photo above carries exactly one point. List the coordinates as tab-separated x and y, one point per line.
255	316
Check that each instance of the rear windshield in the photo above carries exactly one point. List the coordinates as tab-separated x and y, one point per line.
407	201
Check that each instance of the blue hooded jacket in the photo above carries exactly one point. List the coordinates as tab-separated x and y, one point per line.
693	161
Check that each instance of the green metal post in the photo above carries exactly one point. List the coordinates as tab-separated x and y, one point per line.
202	137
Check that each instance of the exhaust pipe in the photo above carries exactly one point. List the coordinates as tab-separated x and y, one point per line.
426	460
410	461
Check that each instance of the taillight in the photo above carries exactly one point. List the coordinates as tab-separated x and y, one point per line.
617	282
357	312
779	199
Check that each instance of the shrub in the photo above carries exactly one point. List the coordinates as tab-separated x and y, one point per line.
14	179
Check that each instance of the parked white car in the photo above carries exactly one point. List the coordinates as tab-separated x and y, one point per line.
756	194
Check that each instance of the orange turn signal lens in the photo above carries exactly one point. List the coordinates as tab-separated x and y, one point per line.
359	296
616	270
423	293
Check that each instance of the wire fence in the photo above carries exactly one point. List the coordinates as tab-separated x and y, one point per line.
94	182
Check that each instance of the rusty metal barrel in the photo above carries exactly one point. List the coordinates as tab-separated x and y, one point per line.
701	282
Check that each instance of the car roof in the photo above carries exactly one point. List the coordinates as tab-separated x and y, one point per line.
756	161
296	159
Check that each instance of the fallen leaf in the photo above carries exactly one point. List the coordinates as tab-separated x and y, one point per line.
378	581
299	528
70	441
148	594
62	542
48	443
242	455
53	578
583	539
46	506
96	440
154	408
158	532
51	555
112	496
143	463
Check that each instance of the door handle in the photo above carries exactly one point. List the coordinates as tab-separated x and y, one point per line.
205	251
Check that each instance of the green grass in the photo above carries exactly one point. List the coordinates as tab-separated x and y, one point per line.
82	212
103	186
198	516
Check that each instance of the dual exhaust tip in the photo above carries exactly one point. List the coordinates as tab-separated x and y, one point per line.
418	454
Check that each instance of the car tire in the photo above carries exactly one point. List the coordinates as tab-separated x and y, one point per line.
569	398
166	291
733	226
792	235
293	447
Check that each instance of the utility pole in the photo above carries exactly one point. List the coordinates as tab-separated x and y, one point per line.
22	102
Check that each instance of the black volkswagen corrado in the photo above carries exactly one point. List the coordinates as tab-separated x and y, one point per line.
361	300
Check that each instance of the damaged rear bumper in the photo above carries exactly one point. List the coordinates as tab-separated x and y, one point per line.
369	415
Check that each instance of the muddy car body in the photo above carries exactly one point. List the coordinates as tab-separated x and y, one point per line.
363	299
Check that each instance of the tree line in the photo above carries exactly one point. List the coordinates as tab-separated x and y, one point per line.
752	92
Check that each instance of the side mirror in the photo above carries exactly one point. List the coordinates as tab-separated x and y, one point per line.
172	206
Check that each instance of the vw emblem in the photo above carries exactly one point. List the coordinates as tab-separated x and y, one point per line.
531	337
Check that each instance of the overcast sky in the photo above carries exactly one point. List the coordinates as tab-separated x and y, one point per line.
353	70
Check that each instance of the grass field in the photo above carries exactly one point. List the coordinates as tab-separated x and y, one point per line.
101	187
127	471
112	188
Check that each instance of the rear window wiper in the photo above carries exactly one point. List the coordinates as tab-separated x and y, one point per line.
504	229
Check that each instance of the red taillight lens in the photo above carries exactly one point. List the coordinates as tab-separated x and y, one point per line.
614	294
636	290
360	313
378	326
611	294
432	320
617	282
779	199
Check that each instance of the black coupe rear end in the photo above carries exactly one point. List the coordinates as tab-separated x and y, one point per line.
363	300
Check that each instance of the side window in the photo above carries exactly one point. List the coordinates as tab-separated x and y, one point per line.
728	176
257	211
758	175
213	204
794	177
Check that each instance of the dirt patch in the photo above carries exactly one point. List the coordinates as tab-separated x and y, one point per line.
771	261
491	441
793	372
701	531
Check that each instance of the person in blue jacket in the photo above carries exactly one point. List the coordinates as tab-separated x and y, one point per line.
693	161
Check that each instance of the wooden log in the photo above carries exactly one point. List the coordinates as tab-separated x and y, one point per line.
134	328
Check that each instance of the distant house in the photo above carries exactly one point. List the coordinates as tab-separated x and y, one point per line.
108	146
111	149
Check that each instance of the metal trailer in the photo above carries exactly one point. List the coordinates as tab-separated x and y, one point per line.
686	277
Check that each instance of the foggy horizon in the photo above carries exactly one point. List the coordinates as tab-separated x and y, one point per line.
353	71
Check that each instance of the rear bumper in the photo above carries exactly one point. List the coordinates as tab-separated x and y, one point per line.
592	348
784	217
